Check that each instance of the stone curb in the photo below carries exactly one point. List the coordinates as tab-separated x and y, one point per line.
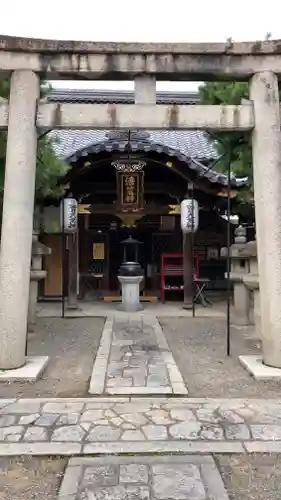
118	448
173	400
98	378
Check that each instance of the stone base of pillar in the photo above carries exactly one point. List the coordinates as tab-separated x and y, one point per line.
130	293
29	372
31	320
31	327
255	366
238	319
240	310
72	306
188	306
252	283
257	314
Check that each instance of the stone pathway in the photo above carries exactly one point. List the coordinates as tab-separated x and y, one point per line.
134	358
139	425
142	478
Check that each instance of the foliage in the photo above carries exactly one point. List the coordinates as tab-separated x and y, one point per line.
237	144
49	168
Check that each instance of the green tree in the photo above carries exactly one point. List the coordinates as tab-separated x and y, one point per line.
49	168
239	144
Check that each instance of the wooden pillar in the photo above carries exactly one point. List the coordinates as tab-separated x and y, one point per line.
72	247
187	271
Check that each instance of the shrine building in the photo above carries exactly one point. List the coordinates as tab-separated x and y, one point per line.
129	186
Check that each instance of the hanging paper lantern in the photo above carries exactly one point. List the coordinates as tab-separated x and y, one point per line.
69	215
189	215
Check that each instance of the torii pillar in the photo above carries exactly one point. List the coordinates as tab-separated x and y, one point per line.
17	221
266	142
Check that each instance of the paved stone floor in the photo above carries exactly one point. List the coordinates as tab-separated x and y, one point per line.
241	436
106	309
143	478
139	425
134	358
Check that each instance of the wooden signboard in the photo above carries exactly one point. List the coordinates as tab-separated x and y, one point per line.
130	191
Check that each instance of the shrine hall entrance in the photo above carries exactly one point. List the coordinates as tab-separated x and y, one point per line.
128	245
105	245
146	246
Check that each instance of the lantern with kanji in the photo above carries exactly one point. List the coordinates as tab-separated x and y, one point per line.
189	215
69	215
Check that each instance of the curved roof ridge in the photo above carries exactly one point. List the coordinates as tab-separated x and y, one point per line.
156	143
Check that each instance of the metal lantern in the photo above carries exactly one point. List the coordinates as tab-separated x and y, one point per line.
189	215
69	215
131	247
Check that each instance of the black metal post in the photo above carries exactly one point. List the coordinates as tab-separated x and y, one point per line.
63	263
26	340
228	262
193	254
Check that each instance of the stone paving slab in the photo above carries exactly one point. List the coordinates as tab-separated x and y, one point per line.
139	425
144	478
134	359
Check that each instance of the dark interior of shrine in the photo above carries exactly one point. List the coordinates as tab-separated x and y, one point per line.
165	181
155	225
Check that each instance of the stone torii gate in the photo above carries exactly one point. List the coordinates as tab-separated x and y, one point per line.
28	60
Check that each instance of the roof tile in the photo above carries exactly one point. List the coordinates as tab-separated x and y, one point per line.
195	147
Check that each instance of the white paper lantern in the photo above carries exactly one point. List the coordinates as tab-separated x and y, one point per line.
189	216
69	215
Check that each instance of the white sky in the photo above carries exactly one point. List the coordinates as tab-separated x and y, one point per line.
141	21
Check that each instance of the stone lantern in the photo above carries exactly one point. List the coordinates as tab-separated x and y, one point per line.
36	274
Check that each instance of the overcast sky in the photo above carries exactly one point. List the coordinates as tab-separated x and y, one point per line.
143	21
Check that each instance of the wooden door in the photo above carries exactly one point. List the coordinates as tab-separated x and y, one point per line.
52	264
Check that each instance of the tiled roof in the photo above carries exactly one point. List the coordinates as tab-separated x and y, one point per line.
193	147
119	97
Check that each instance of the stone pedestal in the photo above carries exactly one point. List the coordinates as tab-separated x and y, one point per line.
245	277
130	293
252	283
240	310
36	274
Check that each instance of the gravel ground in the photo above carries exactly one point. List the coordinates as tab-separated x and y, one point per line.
246	477
199	349
72	345
251	477
28	478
